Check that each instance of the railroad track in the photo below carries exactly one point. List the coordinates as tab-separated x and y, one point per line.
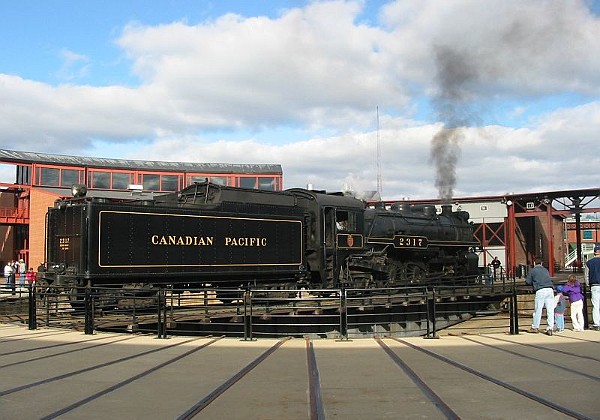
380	377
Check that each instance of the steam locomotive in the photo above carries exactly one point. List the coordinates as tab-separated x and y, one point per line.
230	237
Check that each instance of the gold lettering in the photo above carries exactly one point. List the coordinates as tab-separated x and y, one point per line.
181	240
245	241
64	244
187	240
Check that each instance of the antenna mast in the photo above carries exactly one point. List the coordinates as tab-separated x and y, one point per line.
378	157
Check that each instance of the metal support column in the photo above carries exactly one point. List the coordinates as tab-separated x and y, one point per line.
32	308
89	312
514	313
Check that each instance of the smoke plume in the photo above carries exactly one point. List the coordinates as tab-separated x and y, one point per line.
455	77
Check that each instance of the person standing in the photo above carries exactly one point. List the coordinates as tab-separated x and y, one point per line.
560	305
539	278
15	274
496	264
593	279
572	290
31	277
9	273
22	272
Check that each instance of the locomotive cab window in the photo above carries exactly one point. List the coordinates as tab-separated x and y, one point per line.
345	221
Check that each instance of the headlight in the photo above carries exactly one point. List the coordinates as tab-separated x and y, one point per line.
78	190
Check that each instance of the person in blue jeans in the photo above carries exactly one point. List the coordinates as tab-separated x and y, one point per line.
560	306
593	279
539	278
9	274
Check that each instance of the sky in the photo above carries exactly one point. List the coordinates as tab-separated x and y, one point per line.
416	99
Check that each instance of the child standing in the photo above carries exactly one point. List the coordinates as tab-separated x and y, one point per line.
31	277
573	291
560	305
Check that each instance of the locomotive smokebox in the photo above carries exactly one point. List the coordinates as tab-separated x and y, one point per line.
447	209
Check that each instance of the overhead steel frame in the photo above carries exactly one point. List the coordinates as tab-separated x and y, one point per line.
549	205
486	234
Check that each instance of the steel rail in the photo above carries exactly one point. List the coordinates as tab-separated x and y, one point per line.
30	335
513	388
423	387
535	359
127	381
535	346
48	356
314	383
204	402
90	368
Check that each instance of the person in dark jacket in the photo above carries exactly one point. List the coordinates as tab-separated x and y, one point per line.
593	279
539	278
496	264
572	290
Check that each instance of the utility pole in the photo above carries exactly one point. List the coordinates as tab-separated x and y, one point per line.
379	186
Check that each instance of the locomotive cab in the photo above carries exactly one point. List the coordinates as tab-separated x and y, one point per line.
334	233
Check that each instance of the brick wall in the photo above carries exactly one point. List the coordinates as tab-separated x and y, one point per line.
7	239
39	202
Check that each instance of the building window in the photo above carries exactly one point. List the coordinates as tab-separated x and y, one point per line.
110	180
49	176
197	178
23	174
156	182
267	183
56	177
169	183
588	235
219	180
248	182
121	180
69	177
100	180
151	182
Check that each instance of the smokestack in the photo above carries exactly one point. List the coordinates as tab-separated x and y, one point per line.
446	209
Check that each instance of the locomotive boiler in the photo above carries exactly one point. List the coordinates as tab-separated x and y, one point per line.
416	245
209	234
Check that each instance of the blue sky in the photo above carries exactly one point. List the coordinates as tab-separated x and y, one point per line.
474	98
40	32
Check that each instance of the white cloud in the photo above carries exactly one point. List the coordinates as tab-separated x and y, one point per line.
514	47
74	66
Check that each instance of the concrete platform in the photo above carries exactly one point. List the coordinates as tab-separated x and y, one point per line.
50	373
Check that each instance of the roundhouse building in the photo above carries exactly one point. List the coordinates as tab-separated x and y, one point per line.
31	182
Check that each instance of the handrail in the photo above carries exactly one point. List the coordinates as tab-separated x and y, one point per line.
15	212
586	250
